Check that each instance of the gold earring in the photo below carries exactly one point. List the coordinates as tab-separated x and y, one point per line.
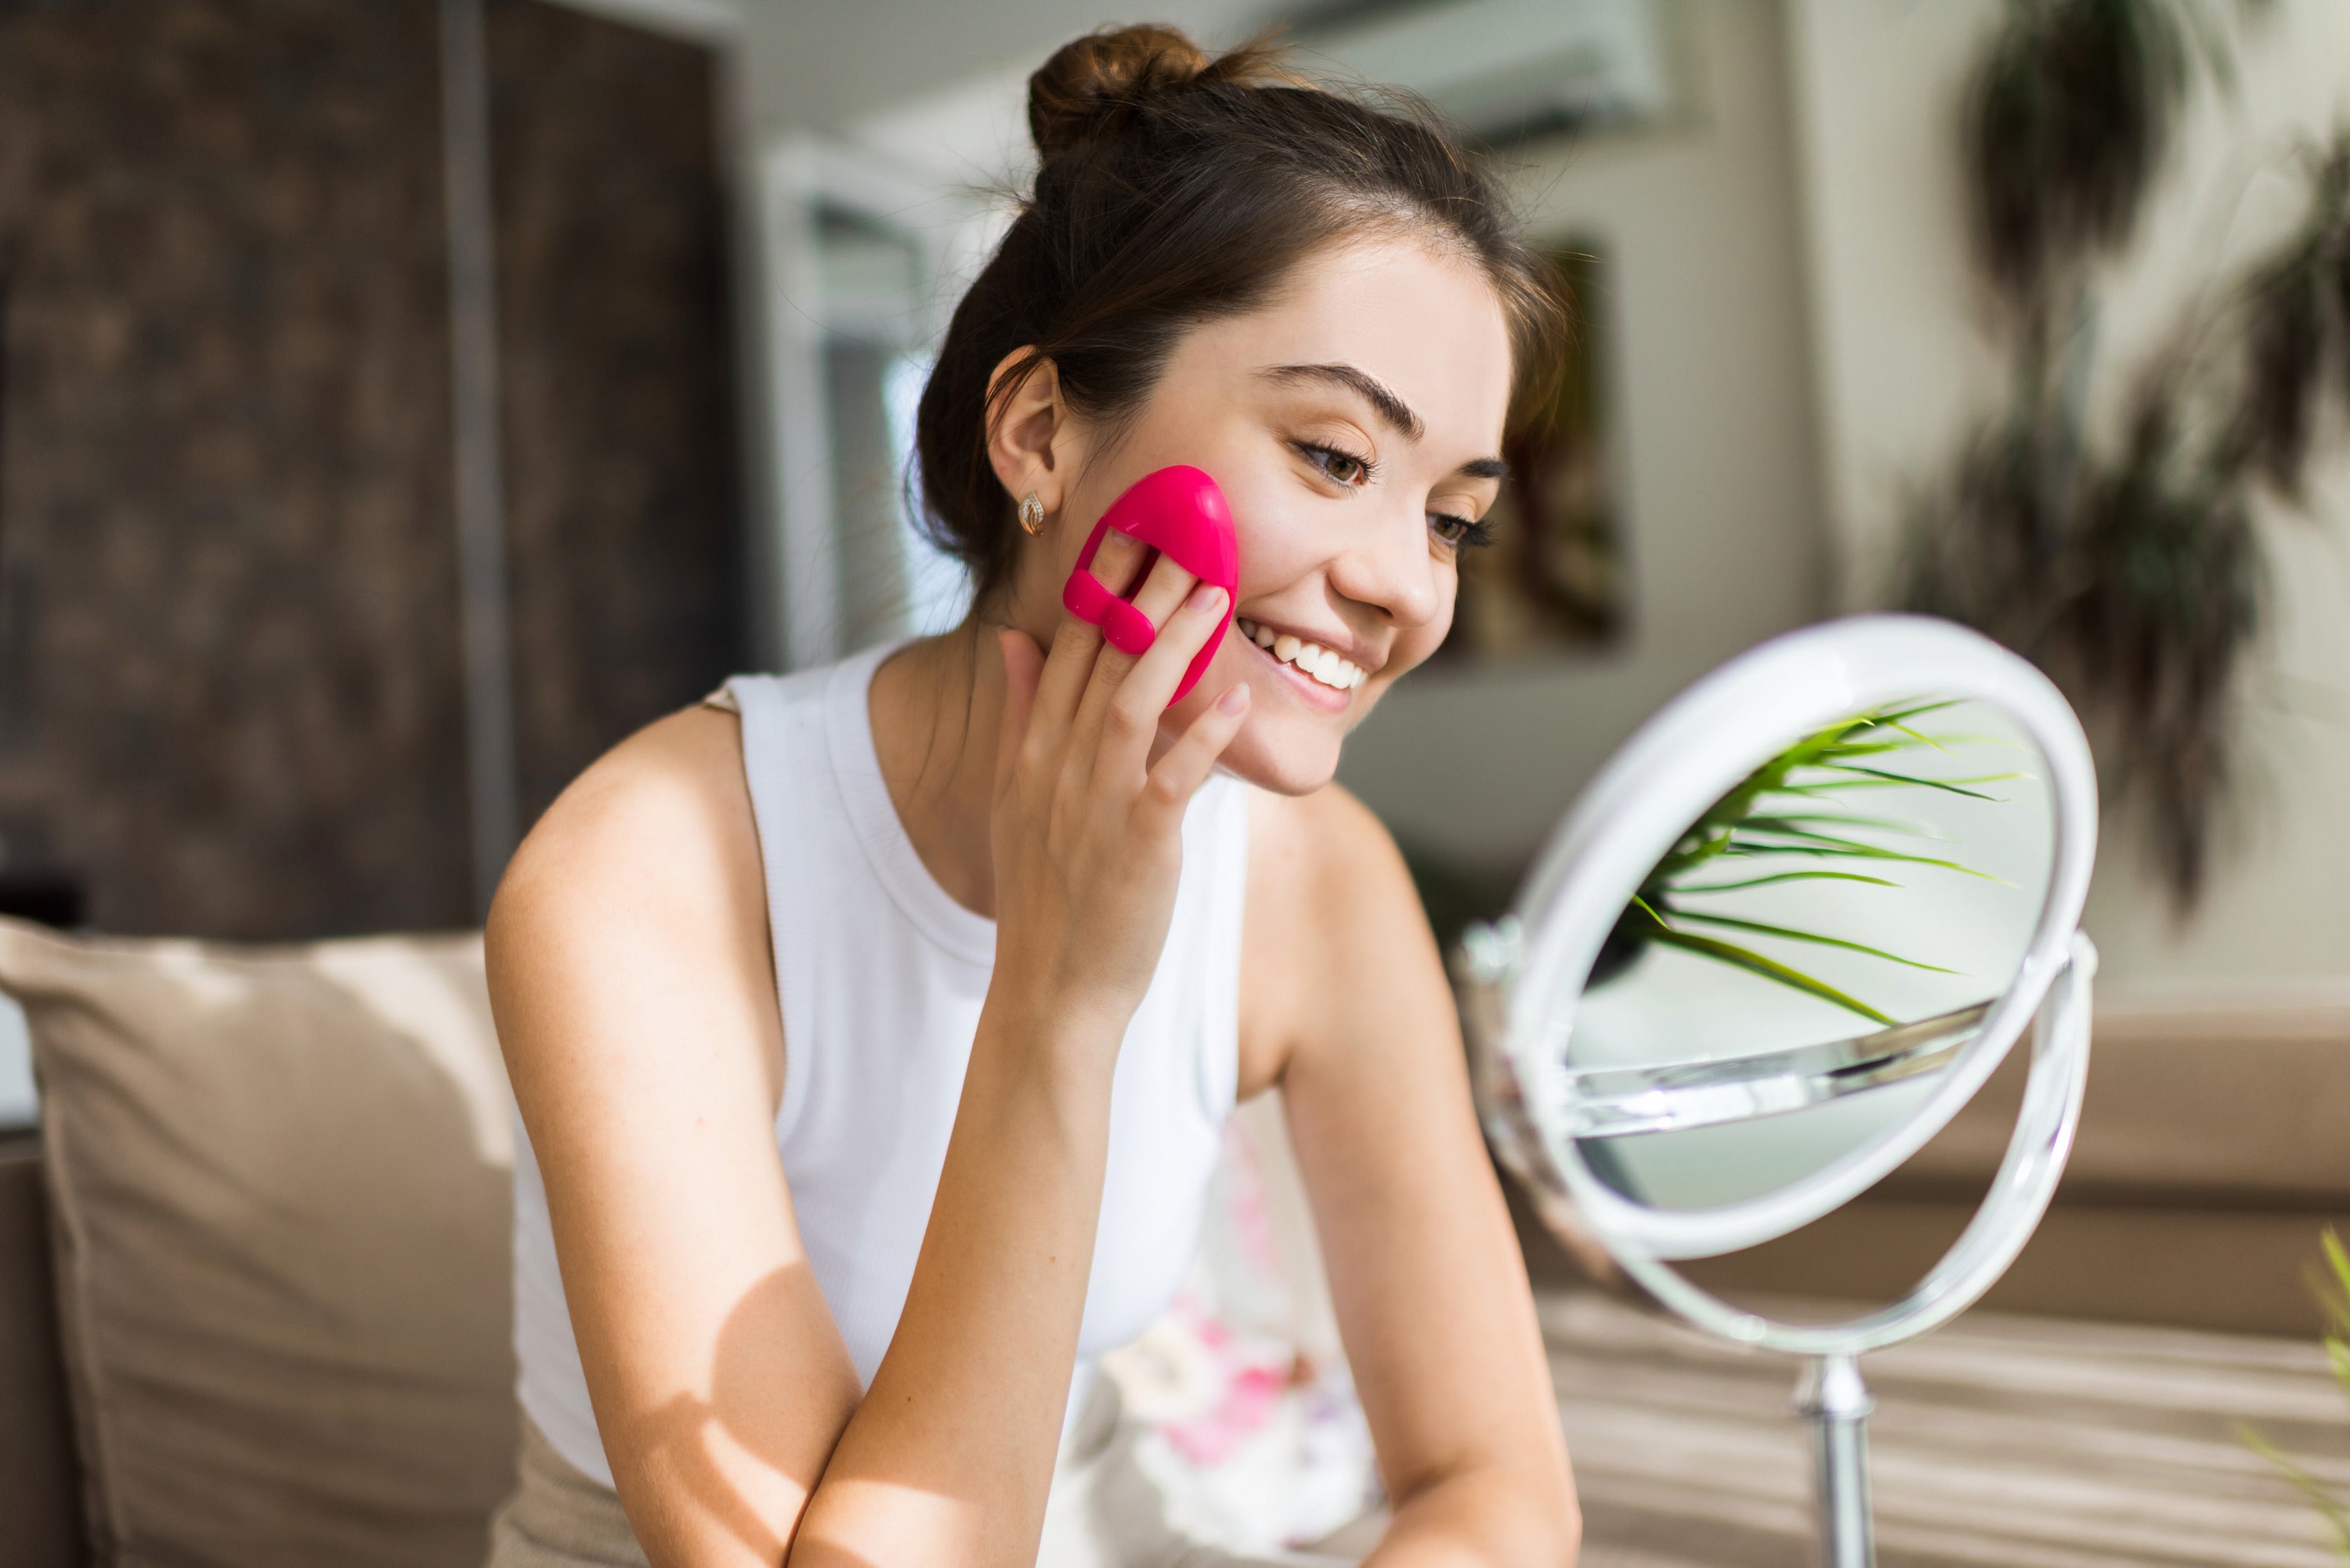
1032	514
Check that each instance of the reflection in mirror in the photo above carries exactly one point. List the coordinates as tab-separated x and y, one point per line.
1813	949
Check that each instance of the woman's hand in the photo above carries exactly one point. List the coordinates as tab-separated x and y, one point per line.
1088	830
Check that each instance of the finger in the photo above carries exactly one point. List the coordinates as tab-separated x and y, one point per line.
1131	722
1162	592
1061	686
1023	664
1118	561
1115	565
1178	774
1166	588
1185	624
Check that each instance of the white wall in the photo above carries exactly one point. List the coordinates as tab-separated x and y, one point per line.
1712	374
1903	368
822	66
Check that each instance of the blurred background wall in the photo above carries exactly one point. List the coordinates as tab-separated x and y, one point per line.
233	696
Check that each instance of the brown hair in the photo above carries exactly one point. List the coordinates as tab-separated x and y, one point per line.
1175	190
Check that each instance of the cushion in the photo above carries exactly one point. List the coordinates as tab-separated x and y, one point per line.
279	1185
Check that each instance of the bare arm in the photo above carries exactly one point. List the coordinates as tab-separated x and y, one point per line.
1349	1006
637	1008
635	1001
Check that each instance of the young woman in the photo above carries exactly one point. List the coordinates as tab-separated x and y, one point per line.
873	1028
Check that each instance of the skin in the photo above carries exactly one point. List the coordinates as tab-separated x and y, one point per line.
1042	779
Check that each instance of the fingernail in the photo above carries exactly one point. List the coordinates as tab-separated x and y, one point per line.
1234	698
1207	597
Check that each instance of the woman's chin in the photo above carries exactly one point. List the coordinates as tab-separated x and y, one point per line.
1290	741
1283	755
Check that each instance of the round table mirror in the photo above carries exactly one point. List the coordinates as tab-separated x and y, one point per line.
1785	936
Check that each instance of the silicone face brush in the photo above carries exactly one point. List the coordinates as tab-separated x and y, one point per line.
1178	512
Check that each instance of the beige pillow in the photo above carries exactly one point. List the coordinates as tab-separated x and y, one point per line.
279	1182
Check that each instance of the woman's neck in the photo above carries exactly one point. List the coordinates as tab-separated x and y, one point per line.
936	707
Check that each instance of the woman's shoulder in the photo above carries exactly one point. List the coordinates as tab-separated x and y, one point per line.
1326	884
1326	848
1331	912
654	842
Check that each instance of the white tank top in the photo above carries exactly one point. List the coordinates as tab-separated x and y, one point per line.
881	975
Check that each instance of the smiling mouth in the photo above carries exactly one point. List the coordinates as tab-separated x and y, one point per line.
1310	659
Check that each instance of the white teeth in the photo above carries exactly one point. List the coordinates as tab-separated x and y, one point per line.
1322	663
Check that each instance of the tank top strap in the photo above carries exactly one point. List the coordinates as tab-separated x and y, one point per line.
804	791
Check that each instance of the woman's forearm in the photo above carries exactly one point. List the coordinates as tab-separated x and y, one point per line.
948	1457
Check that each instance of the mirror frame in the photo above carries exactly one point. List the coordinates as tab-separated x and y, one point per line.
1692	752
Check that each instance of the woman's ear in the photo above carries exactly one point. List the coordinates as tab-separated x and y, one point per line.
1031	441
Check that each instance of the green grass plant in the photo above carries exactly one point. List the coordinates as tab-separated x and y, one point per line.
2333	1288
1792	819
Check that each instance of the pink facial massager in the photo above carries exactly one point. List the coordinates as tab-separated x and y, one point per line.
1178	512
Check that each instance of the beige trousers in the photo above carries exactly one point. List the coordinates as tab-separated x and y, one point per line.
1104	1511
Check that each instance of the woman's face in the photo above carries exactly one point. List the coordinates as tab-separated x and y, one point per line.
1355	425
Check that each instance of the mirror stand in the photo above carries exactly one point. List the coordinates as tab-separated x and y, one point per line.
1834	1399
1832	1396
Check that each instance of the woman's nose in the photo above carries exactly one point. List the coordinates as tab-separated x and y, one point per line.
1391	569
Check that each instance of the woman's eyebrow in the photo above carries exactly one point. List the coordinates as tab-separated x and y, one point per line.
1370	389
1391	407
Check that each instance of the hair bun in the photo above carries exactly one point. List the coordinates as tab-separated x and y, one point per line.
1091	83
1092	80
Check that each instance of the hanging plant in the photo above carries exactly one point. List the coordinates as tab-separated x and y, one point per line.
2296	332
2130	569
2070	113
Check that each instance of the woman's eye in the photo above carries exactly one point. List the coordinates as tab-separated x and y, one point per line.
1341	467
1461	532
